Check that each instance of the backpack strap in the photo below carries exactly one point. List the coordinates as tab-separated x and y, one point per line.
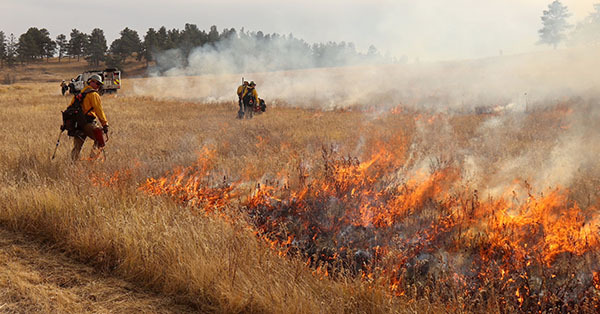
81	96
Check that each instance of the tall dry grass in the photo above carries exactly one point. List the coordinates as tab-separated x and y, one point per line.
96	212
206	262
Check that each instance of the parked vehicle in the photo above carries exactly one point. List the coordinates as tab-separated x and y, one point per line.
110	77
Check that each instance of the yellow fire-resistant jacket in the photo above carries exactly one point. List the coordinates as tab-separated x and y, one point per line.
251	91
240	90
92	101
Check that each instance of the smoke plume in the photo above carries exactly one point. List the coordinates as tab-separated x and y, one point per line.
499	83
506	88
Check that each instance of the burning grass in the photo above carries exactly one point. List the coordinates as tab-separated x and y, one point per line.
426	233
309	211
96	213
426	237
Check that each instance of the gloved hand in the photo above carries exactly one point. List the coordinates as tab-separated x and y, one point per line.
62	127
105	129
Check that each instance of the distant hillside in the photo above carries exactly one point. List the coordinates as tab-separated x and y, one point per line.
54	71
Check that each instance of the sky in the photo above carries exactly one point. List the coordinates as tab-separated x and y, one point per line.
425	30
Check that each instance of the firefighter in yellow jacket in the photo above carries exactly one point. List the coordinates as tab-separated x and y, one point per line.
240	92
92	107
250	99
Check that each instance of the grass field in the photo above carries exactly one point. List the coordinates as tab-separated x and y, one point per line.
308	210
203	260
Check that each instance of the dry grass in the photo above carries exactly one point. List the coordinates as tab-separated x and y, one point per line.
208	261
203	261
34	277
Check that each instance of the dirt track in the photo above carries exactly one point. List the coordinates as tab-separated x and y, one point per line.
35	277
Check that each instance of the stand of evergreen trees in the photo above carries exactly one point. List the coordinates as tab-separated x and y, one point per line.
211	51
174	48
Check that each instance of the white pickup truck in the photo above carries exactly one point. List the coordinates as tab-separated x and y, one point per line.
110	77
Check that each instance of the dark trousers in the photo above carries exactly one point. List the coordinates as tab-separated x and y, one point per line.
241	111
248	111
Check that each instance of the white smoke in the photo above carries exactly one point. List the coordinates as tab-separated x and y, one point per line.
502	83
509	87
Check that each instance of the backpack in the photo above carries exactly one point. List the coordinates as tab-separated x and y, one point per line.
261	107
249	99
74	118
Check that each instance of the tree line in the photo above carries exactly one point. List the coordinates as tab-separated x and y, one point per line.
178	45
36	45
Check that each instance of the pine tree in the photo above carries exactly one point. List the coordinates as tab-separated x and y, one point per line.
213	35
48	45
29	47
128	44
555	24
151	45
11	50
192	37
174	38
76	43
2	48
163	38
63	46
95	48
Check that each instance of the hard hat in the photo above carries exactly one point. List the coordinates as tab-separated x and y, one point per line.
252	83
96	78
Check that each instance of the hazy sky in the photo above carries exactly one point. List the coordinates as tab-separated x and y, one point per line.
425	29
